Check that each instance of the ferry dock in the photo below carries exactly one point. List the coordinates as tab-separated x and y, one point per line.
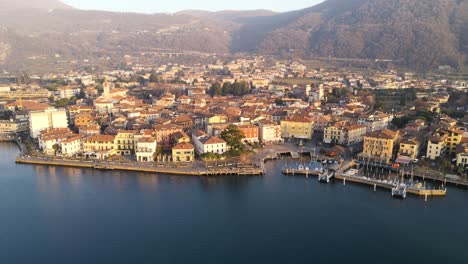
338	173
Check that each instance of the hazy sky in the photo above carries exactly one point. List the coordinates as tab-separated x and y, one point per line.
154	6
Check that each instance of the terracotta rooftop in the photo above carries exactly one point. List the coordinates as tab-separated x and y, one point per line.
183	146
385	134
211	140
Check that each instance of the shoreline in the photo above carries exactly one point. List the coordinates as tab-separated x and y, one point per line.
185	171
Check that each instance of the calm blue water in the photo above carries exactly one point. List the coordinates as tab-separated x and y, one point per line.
64	215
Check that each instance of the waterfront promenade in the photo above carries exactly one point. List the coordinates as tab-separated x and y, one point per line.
141	167
199	168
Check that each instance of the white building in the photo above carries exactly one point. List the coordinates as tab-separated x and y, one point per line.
206	144
104	106
269	132
43	120
68	92
71	146
375	122
145	149
51	141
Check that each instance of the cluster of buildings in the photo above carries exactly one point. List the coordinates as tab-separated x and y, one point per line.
129	114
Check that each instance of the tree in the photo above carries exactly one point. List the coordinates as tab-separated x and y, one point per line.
153	77
233	137
216	89
56	148
401	122
227	89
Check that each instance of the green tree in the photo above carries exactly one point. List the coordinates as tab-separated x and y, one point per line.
227	89
216	89
233	137
153	77
56	148
401	122
63	102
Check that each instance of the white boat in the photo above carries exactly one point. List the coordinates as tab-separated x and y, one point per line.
325	176
399	191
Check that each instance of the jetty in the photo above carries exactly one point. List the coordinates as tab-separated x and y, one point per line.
345	173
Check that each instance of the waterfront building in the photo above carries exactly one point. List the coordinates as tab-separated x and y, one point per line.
269	132
410	147
145	149
99	146
462	155
50	140
454	137
125	142
436	146
71	146
344	133
297	126
250	132
43	120
183	152
207	144
12	127
444	142
378	145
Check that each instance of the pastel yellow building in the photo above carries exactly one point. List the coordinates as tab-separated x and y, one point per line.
378	145
99	146
343	133
183	152
125	142
410	148
454	137
444	142
436	146
297	127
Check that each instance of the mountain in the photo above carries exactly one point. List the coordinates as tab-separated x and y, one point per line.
31	35
33	4
418	33
415	33
228	15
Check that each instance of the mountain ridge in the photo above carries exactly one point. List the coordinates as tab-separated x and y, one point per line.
33	4
429	32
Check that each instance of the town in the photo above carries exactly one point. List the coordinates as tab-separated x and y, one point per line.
229	112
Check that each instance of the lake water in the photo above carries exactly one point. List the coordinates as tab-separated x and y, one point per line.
67	215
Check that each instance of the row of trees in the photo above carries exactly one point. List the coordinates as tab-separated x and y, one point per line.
236	89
